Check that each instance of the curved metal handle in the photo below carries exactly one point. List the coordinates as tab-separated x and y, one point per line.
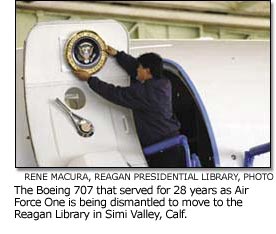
80	123
65	108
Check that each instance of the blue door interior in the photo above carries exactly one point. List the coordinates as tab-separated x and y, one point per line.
190	111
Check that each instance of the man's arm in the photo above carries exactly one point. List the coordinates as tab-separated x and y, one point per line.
131	97
126	61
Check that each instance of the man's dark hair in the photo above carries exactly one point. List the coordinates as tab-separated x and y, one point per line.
153	62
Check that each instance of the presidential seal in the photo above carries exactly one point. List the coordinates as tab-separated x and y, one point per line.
85	51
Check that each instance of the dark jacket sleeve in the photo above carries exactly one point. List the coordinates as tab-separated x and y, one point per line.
128	63
131	97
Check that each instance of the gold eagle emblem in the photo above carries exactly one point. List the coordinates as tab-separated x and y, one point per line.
86	50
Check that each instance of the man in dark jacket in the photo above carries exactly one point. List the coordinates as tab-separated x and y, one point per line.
149	96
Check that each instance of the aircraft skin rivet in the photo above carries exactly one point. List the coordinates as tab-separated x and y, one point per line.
233	156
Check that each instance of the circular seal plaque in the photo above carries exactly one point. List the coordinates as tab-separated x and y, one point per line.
85	51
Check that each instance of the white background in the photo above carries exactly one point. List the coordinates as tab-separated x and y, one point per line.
258	215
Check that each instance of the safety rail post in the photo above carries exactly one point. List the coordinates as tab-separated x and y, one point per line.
257	150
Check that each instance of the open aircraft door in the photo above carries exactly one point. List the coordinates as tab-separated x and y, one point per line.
48	77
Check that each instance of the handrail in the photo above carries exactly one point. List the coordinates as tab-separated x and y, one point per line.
195	160
166	144
257	150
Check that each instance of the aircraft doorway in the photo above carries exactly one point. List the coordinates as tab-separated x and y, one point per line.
191	113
